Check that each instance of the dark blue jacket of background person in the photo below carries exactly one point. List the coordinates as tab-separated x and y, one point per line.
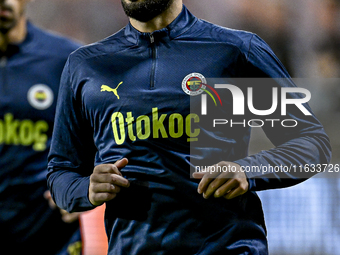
29	81
125	97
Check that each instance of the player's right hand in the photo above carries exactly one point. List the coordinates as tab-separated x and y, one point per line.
106	181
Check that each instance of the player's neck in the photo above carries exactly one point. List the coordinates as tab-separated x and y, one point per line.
15	36
159	22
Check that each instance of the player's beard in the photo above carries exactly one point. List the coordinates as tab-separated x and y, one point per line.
6	26
145	10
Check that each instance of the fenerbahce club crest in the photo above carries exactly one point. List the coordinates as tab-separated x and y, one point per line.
40	96
194	84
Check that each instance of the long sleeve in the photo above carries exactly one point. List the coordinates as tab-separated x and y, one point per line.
71	158
295	147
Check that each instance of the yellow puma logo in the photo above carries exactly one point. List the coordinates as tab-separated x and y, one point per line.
108	89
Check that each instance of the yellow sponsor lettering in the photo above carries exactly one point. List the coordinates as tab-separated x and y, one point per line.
129	120
39	136
75	248
11	127
192	135
157	124
23	132
119	138
176	122
154	126
140	133
26	132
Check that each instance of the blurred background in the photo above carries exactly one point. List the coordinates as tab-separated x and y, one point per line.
305	35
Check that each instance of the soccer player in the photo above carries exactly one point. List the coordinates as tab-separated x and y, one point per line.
31	62
128	134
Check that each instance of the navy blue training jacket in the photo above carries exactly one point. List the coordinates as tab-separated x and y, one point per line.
29	82
125	97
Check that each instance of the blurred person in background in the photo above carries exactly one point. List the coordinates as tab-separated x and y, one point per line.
119	136
270	20
31	62
328	44
327	57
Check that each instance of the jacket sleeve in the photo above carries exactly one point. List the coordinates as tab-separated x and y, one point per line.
297	149
71	156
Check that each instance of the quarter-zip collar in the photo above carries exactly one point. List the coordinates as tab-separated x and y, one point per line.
180	25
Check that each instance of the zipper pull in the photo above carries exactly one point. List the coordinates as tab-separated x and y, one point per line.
152	39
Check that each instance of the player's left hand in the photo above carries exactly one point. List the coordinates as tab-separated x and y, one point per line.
230	183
